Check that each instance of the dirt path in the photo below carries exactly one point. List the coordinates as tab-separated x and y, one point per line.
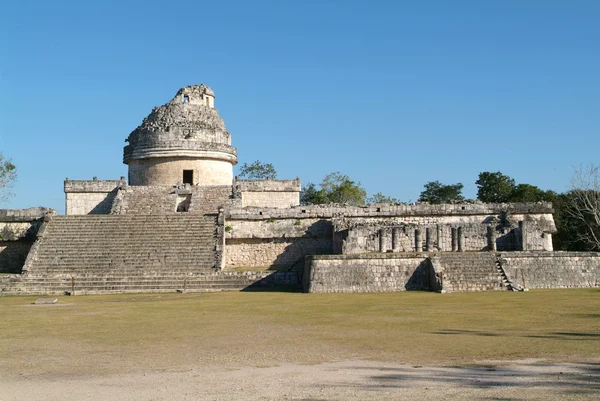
347	380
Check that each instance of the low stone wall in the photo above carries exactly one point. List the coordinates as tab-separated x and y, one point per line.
18	224
280	252
552	269
367	273
90	196
269	193
13	255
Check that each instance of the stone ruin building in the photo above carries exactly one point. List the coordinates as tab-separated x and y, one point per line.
180	221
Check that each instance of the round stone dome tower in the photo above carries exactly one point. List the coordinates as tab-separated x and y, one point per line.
183	141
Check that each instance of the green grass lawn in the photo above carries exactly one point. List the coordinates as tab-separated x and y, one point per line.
115	333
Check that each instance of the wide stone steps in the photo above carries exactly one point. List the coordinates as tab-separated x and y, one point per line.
464	271
99	243
119	282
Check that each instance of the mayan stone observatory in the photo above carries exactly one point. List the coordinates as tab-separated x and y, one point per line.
181	221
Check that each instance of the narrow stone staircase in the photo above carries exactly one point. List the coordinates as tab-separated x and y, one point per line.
470	271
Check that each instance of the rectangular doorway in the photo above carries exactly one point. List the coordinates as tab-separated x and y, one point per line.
188	177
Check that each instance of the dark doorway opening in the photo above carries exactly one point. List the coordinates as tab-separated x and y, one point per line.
188	177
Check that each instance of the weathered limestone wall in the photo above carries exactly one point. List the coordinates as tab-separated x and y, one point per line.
279	252
335	224
443	233
366	273
270	242
552	269
269	193
13	255
169	171
18	231
90	196
19	224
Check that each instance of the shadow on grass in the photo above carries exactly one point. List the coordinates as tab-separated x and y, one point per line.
555	335
471	332
582	378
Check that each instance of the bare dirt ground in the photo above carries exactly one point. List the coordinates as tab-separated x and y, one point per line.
541	345
347	380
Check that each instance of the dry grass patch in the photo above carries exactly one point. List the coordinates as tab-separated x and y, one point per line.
112	333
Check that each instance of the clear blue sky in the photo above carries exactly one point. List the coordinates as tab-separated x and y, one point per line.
392	93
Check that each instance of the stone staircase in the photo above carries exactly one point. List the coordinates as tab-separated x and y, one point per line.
97	254
470	271
102	242
160	200
155	200
130	281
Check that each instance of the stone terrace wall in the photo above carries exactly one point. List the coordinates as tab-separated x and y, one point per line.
13	255
271	242
17	224
552	269
260	236
367	273
269	193
18	230
90	196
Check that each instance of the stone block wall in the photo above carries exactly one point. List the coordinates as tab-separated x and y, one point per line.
331	225
90	196
18	230
269	193
366	273
13	255
279	252
552	269
275	242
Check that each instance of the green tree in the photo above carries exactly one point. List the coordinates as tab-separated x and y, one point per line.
436	192
8	176
528	193
381	198
494	187
258	171
335	188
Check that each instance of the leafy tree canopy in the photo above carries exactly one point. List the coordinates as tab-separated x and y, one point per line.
381	198
8	176
258	171
436	192
335	188
494	187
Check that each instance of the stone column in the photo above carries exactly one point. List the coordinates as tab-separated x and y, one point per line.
454	239
438	230
523	232
461	239
381	240
418	241
396	239
427	239
491	237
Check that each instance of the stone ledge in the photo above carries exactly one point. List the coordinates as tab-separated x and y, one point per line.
24	215
91	186
267	185
388	210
